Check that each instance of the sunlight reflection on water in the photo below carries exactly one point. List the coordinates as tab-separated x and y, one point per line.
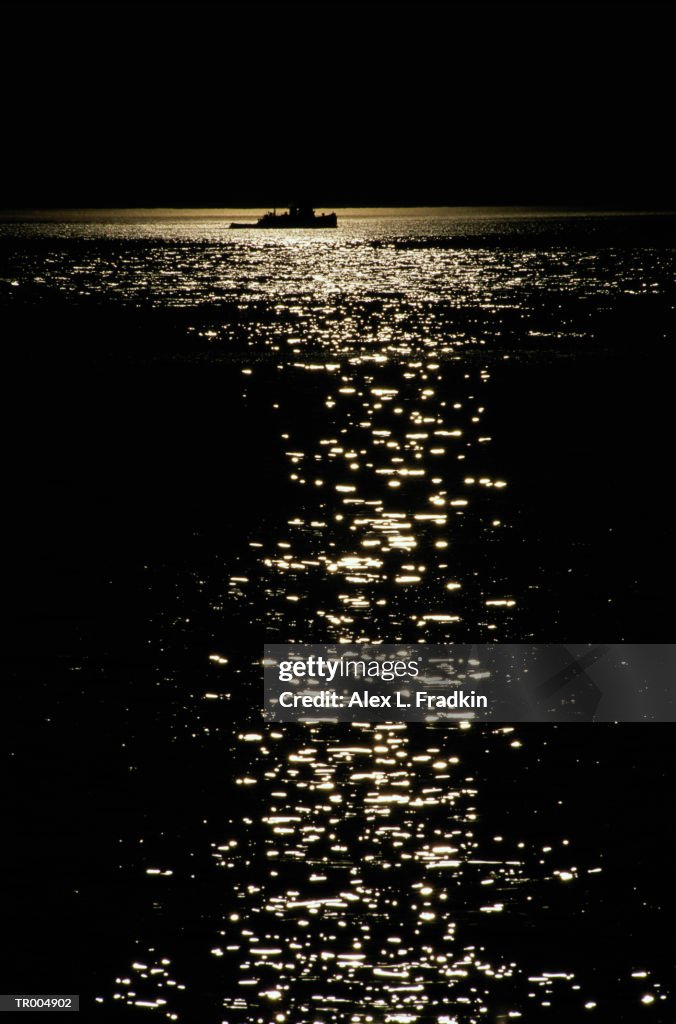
363	879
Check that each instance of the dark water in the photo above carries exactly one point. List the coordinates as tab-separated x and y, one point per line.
414	428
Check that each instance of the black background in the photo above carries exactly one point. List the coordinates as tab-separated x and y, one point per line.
236	104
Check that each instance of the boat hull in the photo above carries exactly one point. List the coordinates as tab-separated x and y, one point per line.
282	221
278	227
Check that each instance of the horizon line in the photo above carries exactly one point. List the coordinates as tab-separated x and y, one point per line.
215	212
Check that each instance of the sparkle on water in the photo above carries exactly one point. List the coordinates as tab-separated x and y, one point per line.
361	880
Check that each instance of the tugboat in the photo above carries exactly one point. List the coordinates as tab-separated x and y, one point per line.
297	217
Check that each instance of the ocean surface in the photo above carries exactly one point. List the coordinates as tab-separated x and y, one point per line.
423	426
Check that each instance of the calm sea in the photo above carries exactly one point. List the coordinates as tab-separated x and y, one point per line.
421	426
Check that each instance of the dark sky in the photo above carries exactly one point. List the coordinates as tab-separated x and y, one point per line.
217	105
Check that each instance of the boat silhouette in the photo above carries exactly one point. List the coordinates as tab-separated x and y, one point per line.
296	217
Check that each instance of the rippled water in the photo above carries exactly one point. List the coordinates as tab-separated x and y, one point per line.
373	354
363	873
411	264
365	882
